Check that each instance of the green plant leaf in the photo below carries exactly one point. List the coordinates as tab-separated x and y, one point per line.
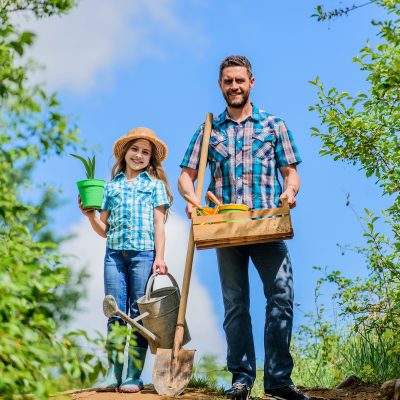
86	163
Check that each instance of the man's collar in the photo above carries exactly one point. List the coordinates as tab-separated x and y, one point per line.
255	115
221	118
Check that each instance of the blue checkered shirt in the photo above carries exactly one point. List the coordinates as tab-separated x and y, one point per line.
244	158
131	206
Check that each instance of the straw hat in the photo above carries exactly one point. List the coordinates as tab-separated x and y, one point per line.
141	133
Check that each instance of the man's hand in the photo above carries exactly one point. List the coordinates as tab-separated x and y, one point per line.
188	210
292	184
186	186
289	194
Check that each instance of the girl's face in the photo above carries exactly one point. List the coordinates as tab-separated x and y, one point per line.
137	157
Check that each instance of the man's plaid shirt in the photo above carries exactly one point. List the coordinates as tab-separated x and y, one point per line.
131	207
244	158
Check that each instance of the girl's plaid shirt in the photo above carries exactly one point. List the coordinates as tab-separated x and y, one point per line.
131	207
244	158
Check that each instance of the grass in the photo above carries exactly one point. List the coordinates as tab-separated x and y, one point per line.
372	357
206	385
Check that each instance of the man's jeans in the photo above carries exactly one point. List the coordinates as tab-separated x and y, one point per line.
126	273
273	264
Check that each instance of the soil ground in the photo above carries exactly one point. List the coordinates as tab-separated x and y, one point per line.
357	392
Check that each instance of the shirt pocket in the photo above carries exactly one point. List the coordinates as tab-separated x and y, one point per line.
263	145
144	196
218	149
115	196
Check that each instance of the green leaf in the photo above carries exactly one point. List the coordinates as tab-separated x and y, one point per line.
86	163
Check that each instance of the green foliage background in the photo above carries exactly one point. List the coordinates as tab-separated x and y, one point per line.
362	129
38	293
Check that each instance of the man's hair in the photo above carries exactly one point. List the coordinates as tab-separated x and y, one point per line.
235	61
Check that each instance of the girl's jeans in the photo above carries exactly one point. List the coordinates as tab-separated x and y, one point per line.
126	273
273	264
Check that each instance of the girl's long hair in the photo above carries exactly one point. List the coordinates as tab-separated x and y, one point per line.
154	169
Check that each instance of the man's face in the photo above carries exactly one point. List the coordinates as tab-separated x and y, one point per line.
235	85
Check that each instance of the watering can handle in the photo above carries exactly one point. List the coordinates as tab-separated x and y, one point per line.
150	283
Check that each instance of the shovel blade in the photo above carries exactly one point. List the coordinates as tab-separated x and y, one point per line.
171	376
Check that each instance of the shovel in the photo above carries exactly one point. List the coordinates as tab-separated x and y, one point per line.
173	367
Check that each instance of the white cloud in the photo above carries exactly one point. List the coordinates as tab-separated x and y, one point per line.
88	250
79	49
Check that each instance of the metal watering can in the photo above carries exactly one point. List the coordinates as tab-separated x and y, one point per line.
159	312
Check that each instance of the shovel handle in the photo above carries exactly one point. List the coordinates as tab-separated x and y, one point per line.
213	198
178	339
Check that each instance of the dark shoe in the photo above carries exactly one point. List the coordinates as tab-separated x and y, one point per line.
285	393
238	391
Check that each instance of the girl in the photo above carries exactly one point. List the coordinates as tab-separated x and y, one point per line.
132	218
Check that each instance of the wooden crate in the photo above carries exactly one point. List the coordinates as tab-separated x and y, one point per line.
242	227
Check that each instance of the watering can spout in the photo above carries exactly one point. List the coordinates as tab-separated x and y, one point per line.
152	339
110	309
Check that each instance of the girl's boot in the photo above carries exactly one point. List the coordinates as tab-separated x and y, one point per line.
113	377
136	358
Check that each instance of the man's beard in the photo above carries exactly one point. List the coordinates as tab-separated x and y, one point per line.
241	104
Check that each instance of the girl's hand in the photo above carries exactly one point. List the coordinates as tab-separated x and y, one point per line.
88	212
160	267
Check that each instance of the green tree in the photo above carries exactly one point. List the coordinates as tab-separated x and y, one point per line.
363	129
36	287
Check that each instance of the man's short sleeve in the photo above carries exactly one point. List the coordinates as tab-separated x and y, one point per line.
160	195
105	205
286	152
191	158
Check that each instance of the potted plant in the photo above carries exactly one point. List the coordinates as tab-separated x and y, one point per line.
90	189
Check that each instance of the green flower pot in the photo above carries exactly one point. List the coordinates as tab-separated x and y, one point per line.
91	192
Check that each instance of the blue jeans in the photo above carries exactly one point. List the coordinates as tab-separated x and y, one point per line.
273	264
126	273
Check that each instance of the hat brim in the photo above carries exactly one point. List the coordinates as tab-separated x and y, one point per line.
160	147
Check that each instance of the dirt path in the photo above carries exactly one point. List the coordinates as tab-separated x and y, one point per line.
147	394
365	392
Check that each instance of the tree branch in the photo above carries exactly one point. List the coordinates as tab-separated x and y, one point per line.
322	15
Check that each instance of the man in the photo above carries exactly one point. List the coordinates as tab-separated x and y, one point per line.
247	148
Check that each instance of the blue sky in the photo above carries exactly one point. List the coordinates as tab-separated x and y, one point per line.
155	63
